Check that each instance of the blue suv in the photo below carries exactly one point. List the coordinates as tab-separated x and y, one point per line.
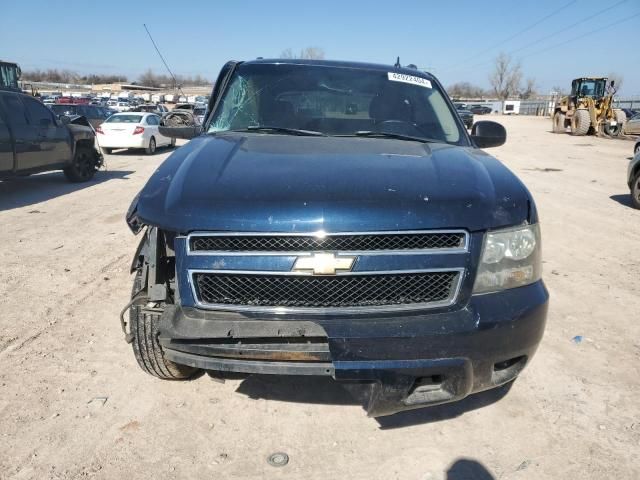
337	219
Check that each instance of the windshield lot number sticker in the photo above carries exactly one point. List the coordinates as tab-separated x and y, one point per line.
401	77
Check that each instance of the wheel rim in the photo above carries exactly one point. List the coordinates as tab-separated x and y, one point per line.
152	145
84	165
637	190
612	130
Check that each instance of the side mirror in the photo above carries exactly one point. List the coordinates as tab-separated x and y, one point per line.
486	134
64	119
180	124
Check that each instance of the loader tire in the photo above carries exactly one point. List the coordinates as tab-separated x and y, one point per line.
615	130
146	347
559	122
580	122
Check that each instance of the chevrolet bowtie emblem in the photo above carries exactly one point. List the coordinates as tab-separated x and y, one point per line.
323	264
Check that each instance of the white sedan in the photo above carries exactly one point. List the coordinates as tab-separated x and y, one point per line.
132	130
632	127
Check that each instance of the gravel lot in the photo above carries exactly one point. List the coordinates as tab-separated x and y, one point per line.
74	404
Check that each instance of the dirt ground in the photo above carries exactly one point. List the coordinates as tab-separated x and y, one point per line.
74	404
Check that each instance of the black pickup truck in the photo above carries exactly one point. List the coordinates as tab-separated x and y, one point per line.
336	219
33	139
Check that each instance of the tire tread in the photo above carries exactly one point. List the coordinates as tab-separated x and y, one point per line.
146	347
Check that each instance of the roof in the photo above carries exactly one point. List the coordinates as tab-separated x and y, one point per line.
130	112
341	64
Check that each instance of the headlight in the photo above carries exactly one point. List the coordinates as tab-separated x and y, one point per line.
510	258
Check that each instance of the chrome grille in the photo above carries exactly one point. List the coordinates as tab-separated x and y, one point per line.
445	240
340	291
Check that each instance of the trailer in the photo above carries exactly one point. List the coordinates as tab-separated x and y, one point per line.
511	107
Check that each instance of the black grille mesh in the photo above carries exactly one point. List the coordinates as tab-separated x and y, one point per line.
324	292
284	243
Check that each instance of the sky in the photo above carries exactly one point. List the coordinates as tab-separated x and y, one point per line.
554	40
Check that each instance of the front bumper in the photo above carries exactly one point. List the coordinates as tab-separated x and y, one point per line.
412	359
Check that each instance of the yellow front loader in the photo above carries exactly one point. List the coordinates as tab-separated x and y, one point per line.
588	110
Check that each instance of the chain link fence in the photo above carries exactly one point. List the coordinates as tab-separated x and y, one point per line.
544	107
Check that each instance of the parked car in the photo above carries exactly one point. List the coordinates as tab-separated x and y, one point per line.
95	114
480	109
632	125
630	113
633	177
33	140
122	106
289	238
74	100
132	130
184	106
465	114
200	113
150	108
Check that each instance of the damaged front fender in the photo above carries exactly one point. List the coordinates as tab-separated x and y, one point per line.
133	221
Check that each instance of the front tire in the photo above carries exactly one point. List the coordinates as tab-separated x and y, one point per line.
144	325
84	165
635	191
151	148
580	122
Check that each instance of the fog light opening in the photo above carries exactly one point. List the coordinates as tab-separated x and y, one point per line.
506	364
423	384
507	370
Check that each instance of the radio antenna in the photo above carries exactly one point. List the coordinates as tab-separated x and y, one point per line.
175	82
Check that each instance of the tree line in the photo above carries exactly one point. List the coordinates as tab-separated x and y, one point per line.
148	78
54	75
506	80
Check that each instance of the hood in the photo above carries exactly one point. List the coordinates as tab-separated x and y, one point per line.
279	183
80	128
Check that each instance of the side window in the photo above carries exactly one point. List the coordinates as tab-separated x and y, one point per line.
152	120
16	113
37	112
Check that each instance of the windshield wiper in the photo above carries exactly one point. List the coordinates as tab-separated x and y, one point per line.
398	136
290	131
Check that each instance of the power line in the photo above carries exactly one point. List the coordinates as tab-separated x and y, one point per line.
564	29
520	32
583	35
175	82
566	41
